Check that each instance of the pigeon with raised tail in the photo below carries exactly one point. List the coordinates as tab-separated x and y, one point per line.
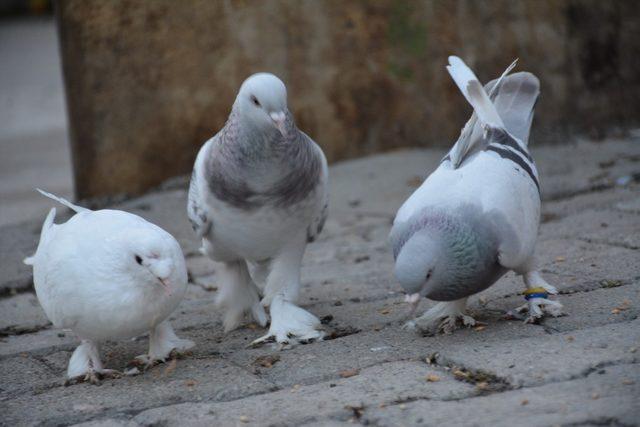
477	215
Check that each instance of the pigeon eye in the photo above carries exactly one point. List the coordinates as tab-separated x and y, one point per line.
139	259
255	101
429	275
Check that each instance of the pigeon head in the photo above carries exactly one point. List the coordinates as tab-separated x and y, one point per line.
152	258
262	101
420	265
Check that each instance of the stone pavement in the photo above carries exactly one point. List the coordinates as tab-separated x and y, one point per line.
33	132
582	369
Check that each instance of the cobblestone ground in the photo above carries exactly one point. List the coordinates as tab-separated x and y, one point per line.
581	369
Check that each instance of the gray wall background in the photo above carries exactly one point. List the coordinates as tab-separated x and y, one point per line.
149	81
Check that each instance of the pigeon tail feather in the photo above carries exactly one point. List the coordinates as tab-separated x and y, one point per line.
65	202
474	92
485	112
48	223
515	101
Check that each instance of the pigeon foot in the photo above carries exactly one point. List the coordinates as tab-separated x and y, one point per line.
444	317
290	324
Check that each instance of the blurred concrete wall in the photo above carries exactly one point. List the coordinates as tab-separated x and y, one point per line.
149	81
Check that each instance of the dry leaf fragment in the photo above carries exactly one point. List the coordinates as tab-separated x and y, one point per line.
560	259
386	310
190	383
349	373
433	378
460	374
171	366
570	338
625	305
627	381
524	402
266	361
482	385
479	328
414	181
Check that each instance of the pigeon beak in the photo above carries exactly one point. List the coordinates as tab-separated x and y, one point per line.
413	300
279	121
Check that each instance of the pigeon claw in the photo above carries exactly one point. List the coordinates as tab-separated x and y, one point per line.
94	377
537	308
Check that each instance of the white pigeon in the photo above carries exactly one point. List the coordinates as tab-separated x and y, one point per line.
477	215
109	275
258	195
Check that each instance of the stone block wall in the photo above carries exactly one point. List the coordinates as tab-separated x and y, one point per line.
149	81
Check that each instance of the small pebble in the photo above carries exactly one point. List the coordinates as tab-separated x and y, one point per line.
349	373
433	378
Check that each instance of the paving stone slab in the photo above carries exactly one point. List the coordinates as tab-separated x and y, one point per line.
368	360
583	309
17	243
186	380
557	357
610	227
339	400
21	313
610	398
16	370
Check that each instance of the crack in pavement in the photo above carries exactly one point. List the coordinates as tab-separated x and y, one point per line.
607	242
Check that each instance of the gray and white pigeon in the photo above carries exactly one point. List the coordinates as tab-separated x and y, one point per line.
477	215
258	195
109	275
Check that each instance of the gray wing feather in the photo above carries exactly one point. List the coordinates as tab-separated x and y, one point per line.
196	212
317	224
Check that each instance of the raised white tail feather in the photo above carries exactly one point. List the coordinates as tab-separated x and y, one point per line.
63	201
474	93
